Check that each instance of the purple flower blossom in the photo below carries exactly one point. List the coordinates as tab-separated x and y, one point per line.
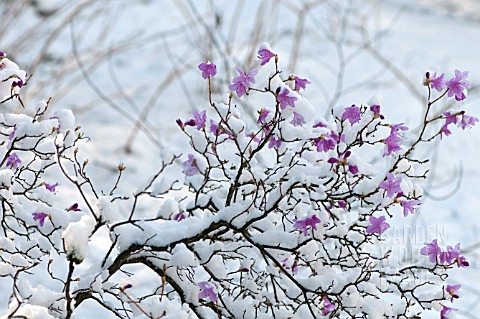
12	134
396	128
300	83
241	83
200	119
444	312
40	217
274	143
437	82
217	129
297	119
208	69
326	142
431	250
327	306
302	224
452	291
265	55
262	116
190	166
391	185
319	124
51	187
207	291
284	99
74	208
178	217
408	206
391	142
457	85
352	113
18	83
353	169
467	121
376	111
377	225
13	160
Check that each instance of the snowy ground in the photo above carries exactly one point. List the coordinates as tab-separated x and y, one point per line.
141	58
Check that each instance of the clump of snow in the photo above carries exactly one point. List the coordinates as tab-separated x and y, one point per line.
75	238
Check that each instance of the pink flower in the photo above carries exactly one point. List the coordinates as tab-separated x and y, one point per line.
452	291
74	208
51	187
207	291
457	85
302	224
327	306
284	99
391	185
376	111
297	119
190	166
431	250
300	83
352	113
13	160
391	142
208	69
262	116
377	225
437	82
241	83
444	312
40	217
265	55
467	121
12	134
408	206
274	143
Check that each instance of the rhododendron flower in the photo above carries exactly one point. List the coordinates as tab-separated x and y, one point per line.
178	217
74	208
297	119
207	291
396	128
457	85
302	224
218	129
51	187
190	166
377	225
391	185
208	69
284	99
376	111
300	83
274	143
327	306
265	55
391	142
241	83
13	160
408	206
262	115
326	142
200	119
444	312
452	291
467	121
40	217
437	82
352	113
431	250
12	134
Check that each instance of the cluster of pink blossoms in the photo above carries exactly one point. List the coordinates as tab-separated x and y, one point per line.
326	142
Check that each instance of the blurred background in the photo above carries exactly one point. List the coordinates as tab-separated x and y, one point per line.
128	69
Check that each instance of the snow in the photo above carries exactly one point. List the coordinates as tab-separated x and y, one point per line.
76	237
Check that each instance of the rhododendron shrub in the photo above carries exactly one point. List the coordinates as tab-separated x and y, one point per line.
281	217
